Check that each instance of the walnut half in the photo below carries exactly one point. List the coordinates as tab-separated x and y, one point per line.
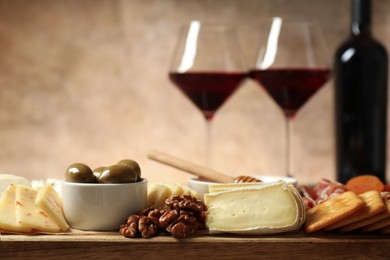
183	217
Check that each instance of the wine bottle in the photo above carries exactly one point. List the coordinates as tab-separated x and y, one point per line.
361	74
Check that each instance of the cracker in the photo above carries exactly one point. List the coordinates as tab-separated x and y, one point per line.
373	205
382	222
332	211
368	221
379	223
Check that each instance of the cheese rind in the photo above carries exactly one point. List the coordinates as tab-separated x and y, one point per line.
28	214
219	187
50	202
262	209
8	220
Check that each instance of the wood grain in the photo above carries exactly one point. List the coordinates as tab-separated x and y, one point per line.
113	246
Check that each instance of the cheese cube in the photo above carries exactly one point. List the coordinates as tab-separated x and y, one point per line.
266	209
8	220
28	214
50	202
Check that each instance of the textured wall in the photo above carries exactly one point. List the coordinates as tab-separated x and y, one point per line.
87	81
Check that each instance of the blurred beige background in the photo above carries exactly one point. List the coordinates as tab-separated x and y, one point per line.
86	81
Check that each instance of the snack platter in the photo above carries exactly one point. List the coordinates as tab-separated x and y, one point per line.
125	215
104	244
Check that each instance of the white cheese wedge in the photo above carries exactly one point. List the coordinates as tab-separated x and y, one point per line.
263	209
50	202
175	188
188	191
7	179
180	189
28	214
157	194
38	184
8	220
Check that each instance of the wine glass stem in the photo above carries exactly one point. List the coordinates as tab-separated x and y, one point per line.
289	145
208	144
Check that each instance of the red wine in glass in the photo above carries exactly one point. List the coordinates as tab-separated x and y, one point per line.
208	66
208	90
292	65
291	87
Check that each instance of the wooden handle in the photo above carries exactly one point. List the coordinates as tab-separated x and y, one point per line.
186	166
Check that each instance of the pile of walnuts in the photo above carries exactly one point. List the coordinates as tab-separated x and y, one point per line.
182	217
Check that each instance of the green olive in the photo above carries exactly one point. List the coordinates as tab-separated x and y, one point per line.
117	173
98	172
79	172
133	165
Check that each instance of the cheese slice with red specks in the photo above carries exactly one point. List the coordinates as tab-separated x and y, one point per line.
50	202
28	214
7	179
8	220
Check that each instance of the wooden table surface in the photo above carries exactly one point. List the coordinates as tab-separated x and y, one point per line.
114	246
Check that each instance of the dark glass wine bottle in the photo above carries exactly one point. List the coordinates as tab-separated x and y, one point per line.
361	69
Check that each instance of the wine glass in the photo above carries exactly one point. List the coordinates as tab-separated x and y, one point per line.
291	64
208	67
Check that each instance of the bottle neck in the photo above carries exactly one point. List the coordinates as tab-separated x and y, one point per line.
361	17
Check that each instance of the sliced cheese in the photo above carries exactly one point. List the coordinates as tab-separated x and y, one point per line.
28	214
50	202
175	188
180	189
157	194
189	191
263	209
38	184
218	187
7	179
8	220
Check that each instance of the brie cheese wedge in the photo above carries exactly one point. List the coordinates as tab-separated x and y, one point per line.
266	208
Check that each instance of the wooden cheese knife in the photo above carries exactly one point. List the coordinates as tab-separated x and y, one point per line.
200	171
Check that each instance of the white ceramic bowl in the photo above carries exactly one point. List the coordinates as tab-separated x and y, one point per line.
202	187
102	207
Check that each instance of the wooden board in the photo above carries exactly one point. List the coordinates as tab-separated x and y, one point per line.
114	246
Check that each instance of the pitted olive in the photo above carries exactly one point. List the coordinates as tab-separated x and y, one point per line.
79	172
133	165
117	173
98	172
